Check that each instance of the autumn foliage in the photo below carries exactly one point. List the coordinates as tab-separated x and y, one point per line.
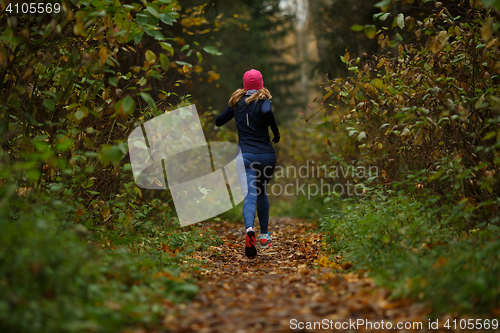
426	111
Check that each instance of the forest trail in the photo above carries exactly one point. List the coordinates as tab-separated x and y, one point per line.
265	294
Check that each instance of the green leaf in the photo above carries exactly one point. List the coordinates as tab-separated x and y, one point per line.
489	3
142	19
398	36
168	47
200	57
64	145
370	31
49	104
115	155
357	27
155	34
165	63
183	63
113	81
89	182
342	59
479	103
148	99
153	11
386	238
378	83
400	19
72	106
128	105
150	57
424	110
33	175
118	105
490	135
79	115
138	38
135	32
138	191
97	4
50	93
381	16
103	154
212	50
383	3
167	19
384	17
40	138
56	186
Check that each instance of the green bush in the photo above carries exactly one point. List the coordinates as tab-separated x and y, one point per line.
56	278
427	104
409	246
425	112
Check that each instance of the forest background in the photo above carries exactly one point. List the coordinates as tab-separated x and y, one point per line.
410	87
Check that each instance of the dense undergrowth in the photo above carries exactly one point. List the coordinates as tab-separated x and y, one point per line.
68	279
425	113
82	248
411	247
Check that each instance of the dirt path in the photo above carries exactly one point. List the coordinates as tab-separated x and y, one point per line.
281	285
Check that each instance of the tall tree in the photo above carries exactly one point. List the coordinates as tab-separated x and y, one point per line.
330	21
250	35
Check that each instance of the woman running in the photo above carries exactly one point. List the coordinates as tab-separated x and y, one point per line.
251	108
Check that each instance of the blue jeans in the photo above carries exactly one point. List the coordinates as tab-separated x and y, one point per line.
259	169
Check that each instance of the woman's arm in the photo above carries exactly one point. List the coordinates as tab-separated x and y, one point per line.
269	116
224	117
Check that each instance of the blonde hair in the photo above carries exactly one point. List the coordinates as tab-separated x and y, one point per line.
238	95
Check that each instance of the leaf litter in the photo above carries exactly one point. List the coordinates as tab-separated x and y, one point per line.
291	280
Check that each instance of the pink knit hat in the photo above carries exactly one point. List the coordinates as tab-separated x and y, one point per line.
253	80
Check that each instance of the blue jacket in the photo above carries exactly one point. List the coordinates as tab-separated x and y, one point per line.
252	121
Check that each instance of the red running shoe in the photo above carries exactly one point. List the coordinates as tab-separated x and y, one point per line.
250	250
